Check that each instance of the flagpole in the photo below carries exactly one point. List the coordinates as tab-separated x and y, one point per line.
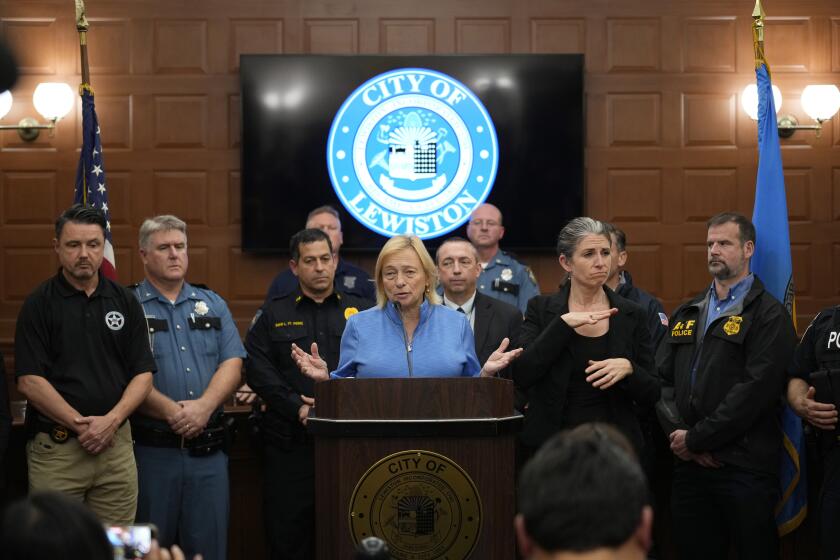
82	28
758	35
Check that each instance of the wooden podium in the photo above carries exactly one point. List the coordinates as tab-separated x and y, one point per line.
425	464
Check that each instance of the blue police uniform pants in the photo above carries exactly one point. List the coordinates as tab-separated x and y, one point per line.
714	509
188	498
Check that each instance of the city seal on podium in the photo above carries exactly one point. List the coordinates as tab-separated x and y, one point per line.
423	504
412	152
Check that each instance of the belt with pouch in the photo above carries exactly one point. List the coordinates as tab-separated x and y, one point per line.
210	440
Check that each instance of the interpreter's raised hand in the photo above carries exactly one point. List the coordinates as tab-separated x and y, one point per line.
303	411
191	418
99	433
603	374
311	365
577	319
820	415
500	359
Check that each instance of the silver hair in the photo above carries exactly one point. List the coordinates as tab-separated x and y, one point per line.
165	222
574	231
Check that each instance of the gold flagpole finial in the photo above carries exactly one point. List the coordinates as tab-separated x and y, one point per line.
758	34
758	11
81	18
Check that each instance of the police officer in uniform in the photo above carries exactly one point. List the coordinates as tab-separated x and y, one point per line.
814	393
178	430
315	312
621	283
348	277
723	370
502	276
83	362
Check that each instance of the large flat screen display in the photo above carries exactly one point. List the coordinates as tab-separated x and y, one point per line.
410	144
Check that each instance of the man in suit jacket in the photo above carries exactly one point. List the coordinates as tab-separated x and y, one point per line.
492	320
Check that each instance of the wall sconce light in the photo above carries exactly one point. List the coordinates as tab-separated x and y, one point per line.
820	102
52	100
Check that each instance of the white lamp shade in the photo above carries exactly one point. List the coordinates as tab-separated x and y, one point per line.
5	103
53	100
821	102
749	100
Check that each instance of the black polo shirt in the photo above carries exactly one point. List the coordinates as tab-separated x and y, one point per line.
88	348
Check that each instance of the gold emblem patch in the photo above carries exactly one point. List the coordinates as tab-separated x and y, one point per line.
349	312
733	325
59	434
421	503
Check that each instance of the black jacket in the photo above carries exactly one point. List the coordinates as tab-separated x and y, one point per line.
544	368
269	368
494	321
732	409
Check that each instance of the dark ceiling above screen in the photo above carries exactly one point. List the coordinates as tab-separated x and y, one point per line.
289	103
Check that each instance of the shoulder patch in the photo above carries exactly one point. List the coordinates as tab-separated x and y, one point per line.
531	275
255	319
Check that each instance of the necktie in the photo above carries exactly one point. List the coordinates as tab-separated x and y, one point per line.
460	310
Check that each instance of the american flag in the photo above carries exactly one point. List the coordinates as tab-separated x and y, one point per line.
91	189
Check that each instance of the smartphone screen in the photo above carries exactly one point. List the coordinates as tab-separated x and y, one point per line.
130	541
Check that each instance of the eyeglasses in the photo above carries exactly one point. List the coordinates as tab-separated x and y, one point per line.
488	223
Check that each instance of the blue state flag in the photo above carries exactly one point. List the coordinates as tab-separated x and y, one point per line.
772	263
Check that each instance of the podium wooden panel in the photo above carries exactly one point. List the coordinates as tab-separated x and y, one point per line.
360	421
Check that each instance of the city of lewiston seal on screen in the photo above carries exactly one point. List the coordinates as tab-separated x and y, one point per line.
412	151
423	504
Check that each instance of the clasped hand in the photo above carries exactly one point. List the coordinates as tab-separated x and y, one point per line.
96	433
680	449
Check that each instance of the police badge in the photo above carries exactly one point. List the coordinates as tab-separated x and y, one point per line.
201	308
733	325
507	275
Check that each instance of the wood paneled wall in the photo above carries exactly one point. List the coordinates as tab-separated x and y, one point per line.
667	144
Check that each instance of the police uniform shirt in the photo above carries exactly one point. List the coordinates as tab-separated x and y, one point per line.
190	338
88	348
294	318
349	279
820	345
508	280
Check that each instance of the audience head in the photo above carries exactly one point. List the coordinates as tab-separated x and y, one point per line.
313	261
583	246
485	227
80	241
51	526
584	491
327	219
458	267
405	273
730	243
